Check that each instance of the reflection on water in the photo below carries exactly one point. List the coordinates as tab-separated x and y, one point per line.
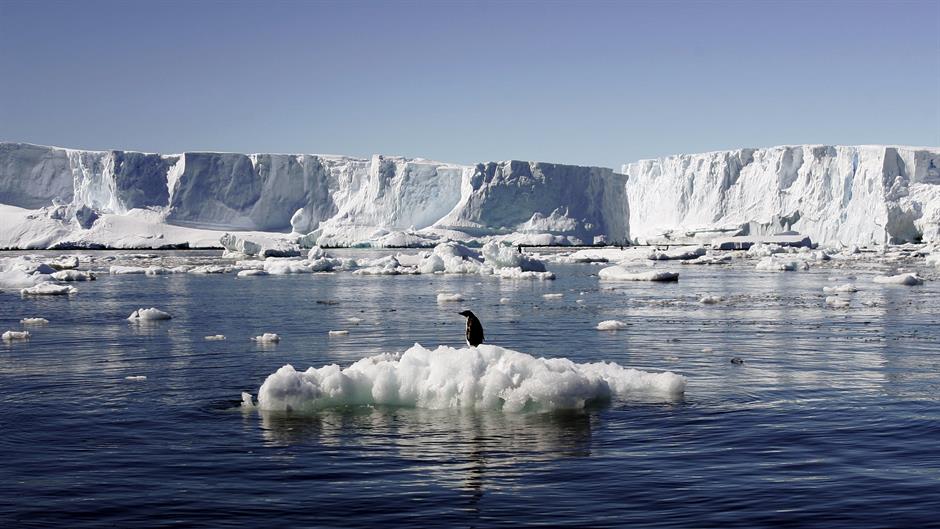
823	424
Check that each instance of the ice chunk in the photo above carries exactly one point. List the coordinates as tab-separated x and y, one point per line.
248	273
126	270
151	314
214	338
678	254
73	275
837	302
34	321
65	263
848	287
444	297
619	273
11	336
268	337
49	289
338	333
709	299
611	325
504	300
909	279
354	320
500	256
773	264
518	273
136	378
555	295
483	377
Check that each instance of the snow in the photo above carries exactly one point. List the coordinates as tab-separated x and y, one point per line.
908	279
49	289
268	337
619	273
861	195
151	314
10	336
611	325
34	321
483	377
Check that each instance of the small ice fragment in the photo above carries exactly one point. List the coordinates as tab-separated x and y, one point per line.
248	273
837	302
709	299
215	337
49	289
445	297
338	333
136	377
73	275
247	402
34	321
10	336
619	273
579	301
354	320
707	350
150	314
909	279
611	325
504	300
268	337
553	296
848	287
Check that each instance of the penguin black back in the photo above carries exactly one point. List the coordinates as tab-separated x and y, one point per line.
474	329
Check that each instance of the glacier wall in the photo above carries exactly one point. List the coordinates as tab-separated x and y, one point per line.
338	196
852	195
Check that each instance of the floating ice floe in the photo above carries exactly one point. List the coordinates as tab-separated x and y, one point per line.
909	279
354	320
709	299
556	295
678	254
338	333
249	273
708	260
846	288
34	321
136	378
268	337
73	275
211	269
837	302
65	263
151	314
49	289
11	336
611	325
619	273
504	300
126	270
214	338
444	297
483	377
773	264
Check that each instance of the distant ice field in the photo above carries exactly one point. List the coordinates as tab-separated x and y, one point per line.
827	420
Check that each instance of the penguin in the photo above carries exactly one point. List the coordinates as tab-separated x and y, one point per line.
474	329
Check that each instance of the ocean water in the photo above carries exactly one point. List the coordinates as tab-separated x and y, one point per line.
832	420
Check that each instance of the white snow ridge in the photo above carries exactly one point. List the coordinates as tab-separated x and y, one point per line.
483	377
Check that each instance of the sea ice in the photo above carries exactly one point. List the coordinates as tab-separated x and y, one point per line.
338	333
619	273
846	288
709	299
10	336
214	337
136	378
49	289
73	275
773	264
268	337
483	377
248	273
150	314
556	295
837	302
611	325
909	279
34	321
444	297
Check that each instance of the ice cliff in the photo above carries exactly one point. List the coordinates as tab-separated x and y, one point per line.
336	200
853	195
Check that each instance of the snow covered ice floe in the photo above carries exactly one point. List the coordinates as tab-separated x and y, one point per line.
12	336
483	377
268	337
34	321
611	325
908	279
151	314
619	273
49	289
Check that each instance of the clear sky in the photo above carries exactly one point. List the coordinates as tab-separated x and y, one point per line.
598	83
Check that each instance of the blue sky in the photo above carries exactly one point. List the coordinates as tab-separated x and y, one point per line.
598	83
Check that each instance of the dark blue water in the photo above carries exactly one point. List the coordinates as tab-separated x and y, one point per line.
832	420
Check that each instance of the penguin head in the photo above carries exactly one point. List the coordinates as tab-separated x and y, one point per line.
466	313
